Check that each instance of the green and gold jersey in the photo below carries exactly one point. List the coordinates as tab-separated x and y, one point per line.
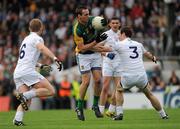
84	34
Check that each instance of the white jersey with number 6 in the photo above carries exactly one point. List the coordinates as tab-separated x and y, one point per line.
28	55
131	54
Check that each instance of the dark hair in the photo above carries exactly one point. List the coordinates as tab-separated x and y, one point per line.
79	10
114	18
127	30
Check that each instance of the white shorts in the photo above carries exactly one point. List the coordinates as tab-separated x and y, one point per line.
111	69
29	79
88	62
138	80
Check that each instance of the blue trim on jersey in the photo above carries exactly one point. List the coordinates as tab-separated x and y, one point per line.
96	68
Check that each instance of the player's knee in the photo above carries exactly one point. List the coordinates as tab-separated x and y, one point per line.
105	90
85	83
52	92
97	81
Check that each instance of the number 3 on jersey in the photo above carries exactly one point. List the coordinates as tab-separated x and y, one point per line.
22	52
134	52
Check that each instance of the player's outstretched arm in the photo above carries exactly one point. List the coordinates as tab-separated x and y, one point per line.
93	45
101	48
151	56
42	48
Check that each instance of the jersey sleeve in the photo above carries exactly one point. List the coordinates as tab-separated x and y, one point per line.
143	49
77	35
38	40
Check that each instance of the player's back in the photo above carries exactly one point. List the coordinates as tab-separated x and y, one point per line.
131	54
28	54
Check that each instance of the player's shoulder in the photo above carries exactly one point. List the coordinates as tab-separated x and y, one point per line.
136	42
108	32
91	18
77	30
35	37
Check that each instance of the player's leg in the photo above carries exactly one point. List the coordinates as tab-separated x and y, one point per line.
82	92
18	119
119	102
84	62
40	89
96	72
104	93
155	102
96	62
112	108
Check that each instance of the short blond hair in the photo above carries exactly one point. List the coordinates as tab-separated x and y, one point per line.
35	25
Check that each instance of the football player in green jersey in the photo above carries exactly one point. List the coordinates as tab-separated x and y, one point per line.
88	48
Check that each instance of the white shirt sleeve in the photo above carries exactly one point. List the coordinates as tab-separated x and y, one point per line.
143	49
38	40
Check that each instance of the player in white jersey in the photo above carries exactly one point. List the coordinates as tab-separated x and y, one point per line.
131	55
25	75
110	70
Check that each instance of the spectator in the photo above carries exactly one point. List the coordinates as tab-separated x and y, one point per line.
174	80
64	93
176	37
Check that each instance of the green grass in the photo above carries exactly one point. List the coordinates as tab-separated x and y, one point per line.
66	119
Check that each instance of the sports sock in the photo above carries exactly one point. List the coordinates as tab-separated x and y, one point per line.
80	104
29	94
96	99
101	108
119	110
162	113
19	115
112	108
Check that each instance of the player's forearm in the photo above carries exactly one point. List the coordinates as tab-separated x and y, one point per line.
87	46
149	55
48	53
101	49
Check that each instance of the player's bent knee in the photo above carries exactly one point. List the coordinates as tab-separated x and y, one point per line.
97	81
85	83
52	91
105	90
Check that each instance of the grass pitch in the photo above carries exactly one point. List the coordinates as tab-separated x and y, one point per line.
66	119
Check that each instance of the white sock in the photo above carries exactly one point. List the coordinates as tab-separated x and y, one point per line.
101	109
162	113
19	115
30	94
112	108
119	110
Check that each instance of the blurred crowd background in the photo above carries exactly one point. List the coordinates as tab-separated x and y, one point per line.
156	24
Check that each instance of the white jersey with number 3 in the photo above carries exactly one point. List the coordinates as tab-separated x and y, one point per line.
131	54
28	55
